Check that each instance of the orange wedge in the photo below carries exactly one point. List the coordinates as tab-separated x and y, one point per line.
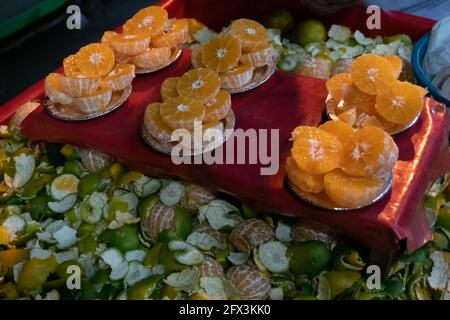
152	58
371	72
169	88
218	108
352	192
54	91
400	102
314	67
199	84
182	112
177	35
339	86
221	53
196	56
95	60
363	151
236	77
154	124
397	65
253	36
149	21
302	179
95	102
70	66
348	116
316	151
119	78
129	44
339	129
79	86
258	58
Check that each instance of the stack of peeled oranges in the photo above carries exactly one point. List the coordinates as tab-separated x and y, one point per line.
349	166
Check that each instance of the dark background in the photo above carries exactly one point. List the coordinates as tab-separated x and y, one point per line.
31	54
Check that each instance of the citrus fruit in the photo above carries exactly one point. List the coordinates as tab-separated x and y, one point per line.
309	257
371	121
169	88
339	129
218	108
193	25
370	72
236	77
303	180
279	19
54	91
154	124
152	58
70	66
119	78
95	60
248	234
315	150
200	84
196	56
182	112
196	196
352	192
339	86
400	102
177	35
160	218
342	66
362	102
211	268
310	230
95	102
363	152
249	282
221	53
314	67
128	43
397	65
349	116
258	58
309	31
149	21
253	36
79	86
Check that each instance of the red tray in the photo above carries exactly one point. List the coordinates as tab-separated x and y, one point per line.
284	102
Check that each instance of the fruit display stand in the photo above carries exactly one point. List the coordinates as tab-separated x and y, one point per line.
283	103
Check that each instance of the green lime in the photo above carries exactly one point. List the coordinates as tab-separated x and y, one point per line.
443	219
341	280
125	238
279	19
309	31
73	167
88	184
308	257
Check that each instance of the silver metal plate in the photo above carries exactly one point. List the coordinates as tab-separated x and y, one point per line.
71	113
175	54
166	147
321	200
260	76
331	113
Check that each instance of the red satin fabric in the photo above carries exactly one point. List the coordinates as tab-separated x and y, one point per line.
283	103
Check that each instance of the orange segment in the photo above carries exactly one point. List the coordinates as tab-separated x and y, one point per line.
154	124
370	72
339	86
95	60
149	21
70	66
128	43
169	88
400	102
196	56
119	78
152	58
339	129
54	91
352	192
218	108
79	86
302	179
199	84
314	67
372	121
182	112
253	36
177	35
359	100
236	77
221	53
258	58
348	116
396	64
362	152
94	103
315	150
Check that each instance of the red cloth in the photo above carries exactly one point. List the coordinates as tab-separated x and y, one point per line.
284	102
